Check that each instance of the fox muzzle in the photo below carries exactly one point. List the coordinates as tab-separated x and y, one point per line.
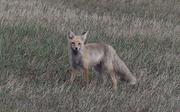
76	48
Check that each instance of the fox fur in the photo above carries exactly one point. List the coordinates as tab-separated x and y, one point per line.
96	55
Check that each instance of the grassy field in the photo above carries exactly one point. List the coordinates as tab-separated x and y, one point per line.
34	59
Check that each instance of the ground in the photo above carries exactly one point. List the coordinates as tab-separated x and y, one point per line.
34	57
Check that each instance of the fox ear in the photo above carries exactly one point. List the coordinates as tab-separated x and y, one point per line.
70	34
84	35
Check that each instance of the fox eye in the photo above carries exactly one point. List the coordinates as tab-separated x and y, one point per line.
72	43
79	43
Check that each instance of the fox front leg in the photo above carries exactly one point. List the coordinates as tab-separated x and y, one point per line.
86	77
73	75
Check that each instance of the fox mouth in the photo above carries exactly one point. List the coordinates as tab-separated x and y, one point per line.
76	48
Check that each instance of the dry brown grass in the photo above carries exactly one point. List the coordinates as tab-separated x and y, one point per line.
35	69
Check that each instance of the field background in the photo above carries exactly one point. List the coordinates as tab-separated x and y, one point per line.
34	59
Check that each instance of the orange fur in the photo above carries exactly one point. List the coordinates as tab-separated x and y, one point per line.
96	55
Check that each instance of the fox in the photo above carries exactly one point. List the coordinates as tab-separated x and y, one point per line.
96	55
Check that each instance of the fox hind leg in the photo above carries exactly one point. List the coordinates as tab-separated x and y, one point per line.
110	68
100	70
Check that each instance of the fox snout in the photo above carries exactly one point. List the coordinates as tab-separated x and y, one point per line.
75	48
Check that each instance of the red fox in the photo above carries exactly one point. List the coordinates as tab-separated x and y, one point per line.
97	55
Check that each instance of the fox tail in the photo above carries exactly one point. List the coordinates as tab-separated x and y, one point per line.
122	70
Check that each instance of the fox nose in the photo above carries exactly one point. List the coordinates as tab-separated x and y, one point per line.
76	48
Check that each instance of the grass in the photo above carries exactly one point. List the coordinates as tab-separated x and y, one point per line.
34	59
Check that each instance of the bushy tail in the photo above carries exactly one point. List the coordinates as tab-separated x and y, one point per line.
121	69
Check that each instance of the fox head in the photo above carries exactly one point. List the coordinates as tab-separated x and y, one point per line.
76	42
